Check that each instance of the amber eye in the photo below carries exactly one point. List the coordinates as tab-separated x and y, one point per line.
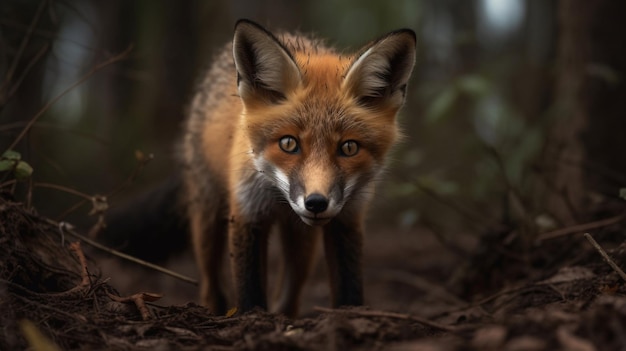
289	144
349	148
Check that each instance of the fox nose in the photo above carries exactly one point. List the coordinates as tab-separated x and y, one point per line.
316	203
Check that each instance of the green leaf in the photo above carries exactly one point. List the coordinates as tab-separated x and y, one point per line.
474	85
11	155
12	161
622	193
7	165
23	170
442	105
8	160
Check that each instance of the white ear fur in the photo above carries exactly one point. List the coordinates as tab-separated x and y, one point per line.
379	75
265	69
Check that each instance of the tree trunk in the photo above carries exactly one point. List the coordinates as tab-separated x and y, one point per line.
585	153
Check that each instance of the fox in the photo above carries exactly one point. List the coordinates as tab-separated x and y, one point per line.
284	134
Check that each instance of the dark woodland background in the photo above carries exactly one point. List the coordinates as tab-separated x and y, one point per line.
515	114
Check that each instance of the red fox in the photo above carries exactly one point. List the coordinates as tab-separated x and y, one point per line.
289	134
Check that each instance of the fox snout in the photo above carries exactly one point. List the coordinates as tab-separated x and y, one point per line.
315	209
316	203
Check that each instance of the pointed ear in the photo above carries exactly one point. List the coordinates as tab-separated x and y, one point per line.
378	76
265	69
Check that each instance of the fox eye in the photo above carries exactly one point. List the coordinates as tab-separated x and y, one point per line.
289	144
349	148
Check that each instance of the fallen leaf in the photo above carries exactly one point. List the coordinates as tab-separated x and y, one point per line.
569	274
35	338
231	312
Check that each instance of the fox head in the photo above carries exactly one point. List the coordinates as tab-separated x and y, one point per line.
320	124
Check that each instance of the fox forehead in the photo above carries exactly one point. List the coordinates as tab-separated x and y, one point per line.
323	74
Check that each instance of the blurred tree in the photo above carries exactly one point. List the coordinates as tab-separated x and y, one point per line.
27	30
585	154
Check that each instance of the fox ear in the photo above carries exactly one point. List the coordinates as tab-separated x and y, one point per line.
378	76
265	69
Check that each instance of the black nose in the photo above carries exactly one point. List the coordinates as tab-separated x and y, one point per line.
316	203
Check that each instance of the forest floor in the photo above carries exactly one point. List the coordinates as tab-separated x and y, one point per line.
487	294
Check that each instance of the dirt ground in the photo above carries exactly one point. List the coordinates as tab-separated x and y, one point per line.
475	294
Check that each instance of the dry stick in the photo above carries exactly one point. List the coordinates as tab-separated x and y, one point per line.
605	256
140	301
581	227
125	256
85	282
7	183
136	171
78	251
64	189
389	315
49	104
142	161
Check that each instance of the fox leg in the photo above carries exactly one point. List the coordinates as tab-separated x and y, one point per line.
209	243
343	250
298	245
248	246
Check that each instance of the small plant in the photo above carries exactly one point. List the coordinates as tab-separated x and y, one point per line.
11	161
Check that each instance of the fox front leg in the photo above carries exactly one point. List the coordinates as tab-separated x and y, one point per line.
248	244
343	249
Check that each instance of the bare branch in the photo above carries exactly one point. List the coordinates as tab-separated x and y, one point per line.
49	104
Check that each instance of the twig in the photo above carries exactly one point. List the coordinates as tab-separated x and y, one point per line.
75	246
81	80
581	227
389	315
142	161
10	183
605	256
122	255
63	188
140	301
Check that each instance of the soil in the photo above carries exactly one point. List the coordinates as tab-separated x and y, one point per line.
488	292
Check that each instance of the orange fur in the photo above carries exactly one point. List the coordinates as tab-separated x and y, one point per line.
239	179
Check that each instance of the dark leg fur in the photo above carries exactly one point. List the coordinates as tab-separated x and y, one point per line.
249	257
343	251
209	243
298	245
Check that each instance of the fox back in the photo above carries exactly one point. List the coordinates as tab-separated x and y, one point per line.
285	131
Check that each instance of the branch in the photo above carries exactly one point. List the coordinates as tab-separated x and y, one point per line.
49	104
606	256
581	227
123	255
388	315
